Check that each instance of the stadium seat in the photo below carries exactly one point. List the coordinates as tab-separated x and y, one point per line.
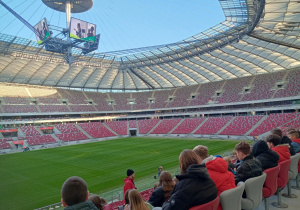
283	178
231	199
293	172
213	205
297	187
253	189
270	185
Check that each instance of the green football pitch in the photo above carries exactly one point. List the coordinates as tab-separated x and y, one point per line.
31	180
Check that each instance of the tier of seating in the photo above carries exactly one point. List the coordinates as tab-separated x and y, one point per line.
39	140
67	128
240	125
165	126
273	121
30	131
76	136
4	144
96	130
188	125
212	125
120	127
265	86
132	124
145	126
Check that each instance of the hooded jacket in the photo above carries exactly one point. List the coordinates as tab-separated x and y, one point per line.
249	167
218	172
194	188
265	155
283	152
296	145
128	184
88	205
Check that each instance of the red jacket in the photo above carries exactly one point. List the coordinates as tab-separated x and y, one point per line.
218	172
128	184
283	152
296	140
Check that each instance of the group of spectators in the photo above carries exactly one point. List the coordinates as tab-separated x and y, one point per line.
202	177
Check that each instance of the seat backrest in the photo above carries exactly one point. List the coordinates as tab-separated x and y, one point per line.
253	189
213	205
283	176
231	199
294	165
299	164
270	185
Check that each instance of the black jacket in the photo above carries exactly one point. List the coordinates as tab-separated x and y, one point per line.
249	167
88	205
267	157
157	198
194	188
287	140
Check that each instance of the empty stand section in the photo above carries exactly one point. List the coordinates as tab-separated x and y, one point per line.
100	101
161	99
121	102
120	127
39	140
54	108
291	87
141	100
188	125
132	124
73	96
30	131
75	136
182	96
145	126
240	125
82	108
67	128
165	126
4	144
20	108
96	130
212	125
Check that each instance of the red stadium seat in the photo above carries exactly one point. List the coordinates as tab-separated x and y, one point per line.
270	185
213	205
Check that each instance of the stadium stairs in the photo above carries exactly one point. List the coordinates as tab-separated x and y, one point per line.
199	126
228	123
154	127
256	125
111	129
83	131
55	137
177	125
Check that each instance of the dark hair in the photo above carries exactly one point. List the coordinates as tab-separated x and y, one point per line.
98	201
201	151
126	197
277	131
166	181
187	157
74	191
273	138
294	133
243	147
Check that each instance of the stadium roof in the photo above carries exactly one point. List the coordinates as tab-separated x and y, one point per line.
256	37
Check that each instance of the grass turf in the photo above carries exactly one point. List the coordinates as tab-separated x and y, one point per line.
33	179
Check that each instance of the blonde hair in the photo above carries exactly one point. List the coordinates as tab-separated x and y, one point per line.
227	159
136	201
201	151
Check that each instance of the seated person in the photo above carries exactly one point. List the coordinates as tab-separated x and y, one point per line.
74	195
267	157
218	172
294	136
284	139
163	192
126	199
98	201
194	186
231	166
136	201
249	167
282	150
202	154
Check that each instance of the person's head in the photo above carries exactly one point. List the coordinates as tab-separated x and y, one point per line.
126	198
234	154
227	159
273	140
98	201
293	134
201	152
78	25
165	180
242	150
160	169
74	191
156	185
290	129
130	174
277	131
136	201
186	158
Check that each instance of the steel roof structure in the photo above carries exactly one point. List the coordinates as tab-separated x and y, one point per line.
257	37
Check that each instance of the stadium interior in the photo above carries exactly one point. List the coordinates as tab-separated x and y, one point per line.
237	80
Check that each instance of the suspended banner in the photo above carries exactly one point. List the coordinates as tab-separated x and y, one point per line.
43	31
82	30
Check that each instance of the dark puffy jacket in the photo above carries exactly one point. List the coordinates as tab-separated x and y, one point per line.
249	167
194	188
265	155
157	198
283	152
287	140
88	205
218	172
